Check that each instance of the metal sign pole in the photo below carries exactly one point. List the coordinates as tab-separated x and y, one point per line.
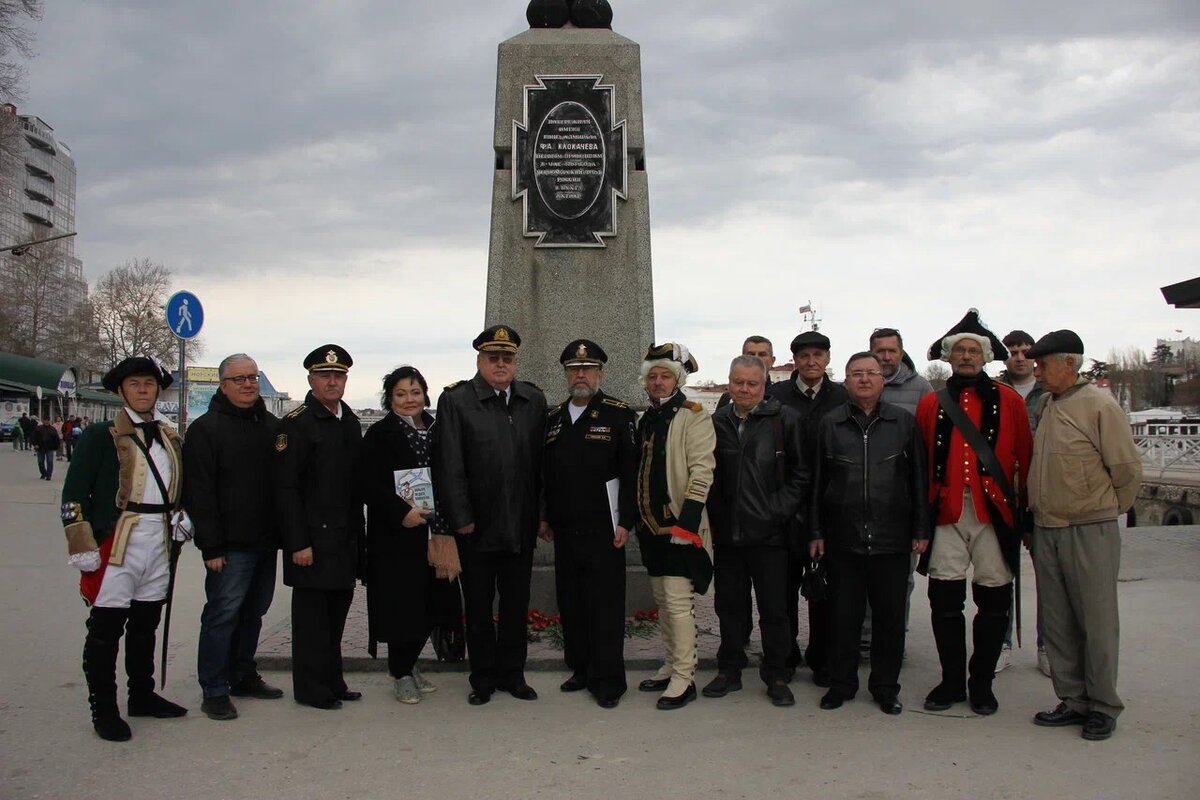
182	386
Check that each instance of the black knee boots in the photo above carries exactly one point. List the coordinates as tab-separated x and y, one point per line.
104	629
139	663
946	601
991	624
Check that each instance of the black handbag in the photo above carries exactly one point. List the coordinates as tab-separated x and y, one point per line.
814	586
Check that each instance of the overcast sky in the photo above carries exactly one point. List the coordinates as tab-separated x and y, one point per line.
322	171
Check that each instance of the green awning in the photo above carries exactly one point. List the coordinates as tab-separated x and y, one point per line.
32	372
99	396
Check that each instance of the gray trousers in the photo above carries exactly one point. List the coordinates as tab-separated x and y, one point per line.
1077	571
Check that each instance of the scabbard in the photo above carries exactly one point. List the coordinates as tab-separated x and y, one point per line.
166	634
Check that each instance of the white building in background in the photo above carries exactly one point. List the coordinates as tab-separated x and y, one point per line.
37	201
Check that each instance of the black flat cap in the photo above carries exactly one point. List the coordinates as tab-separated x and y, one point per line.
328	358
1063	341
583	353
672	351
136	365
497	339
810	339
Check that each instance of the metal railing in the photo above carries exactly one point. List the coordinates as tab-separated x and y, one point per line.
1170	453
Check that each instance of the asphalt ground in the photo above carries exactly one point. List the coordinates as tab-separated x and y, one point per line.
563	746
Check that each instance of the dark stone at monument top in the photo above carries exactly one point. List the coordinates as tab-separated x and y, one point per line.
580	13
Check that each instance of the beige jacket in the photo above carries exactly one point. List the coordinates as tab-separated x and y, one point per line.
1085	467
691	459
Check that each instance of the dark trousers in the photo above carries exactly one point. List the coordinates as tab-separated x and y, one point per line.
318	620
855	580
496	651
735	570
45	459
589	581
237	598
816	654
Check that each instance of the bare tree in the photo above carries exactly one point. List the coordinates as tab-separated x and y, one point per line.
15	40
937	373
128	304
30	304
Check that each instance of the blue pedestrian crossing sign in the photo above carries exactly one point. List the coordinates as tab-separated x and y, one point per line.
185	315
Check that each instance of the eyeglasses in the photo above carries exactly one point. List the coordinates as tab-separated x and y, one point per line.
859	374
494	358
242	379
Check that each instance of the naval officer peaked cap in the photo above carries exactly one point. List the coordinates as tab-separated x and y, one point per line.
328	358
497	339
1063	341
136	365
583	353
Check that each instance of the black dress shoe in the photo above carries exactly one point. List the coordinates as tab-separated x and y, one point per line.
1061	716
522	691
608	702
575	683
781	695
154	705
349	696
254	686
821	678
890	706
722	685
653	684
943	696
679	701
219	708
832	699
330	704
1099	726
110	727
479	698
984	702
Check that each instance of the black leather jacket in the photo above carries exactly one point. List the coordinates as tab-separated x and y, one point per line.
870	492
758	494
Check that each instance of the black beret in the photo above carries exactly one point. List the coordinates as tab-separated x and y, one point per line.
583	353
670	351
136	365
810	339
328	358
497	339
1063	341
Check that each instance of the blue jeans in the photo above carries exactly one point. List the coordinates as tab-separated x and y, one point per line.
45	459
238	596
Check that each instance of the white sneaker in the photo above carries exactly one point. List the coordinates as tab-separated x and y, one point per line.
1005	660
422	682
406	690
1043	661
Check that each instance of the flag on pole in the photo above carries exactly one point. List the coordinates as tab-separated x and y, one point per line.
806	309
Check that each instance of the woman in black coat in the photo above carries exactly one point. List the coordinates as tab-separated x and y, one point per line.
400	582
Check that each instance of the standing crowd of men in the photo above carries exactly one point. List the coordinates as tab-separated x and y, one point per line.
810	487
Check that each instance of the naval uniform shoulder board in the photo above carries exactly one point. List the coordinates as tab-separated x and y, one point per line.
612	401
552	411
693	406
296	412
454	386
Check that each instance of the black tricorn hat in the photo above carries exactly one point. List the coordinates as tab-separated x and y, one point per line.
1063	341
673	351
969	325
136	365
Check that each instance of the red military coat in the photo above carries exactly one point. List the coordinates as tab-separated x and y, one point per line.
955	467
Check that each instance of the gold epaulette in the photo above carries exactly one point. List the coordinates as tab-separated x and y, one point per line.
296	412
454	386
612	401
693	406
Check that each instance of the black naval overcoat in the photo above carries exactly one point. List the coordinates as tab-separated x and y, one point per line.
318	495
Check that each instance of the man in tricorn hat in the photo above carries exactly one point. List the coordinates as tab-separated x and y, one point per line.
978	441
487	479
591	451
121	490
1086	471
320	510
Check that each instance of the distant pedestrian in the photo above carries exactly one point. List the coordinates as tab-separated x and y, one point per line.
68	436
18	435
27	424
58	427
46	442
1086	472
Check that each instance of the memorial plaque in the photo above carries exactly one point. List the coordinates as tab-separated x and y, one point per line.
569	161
